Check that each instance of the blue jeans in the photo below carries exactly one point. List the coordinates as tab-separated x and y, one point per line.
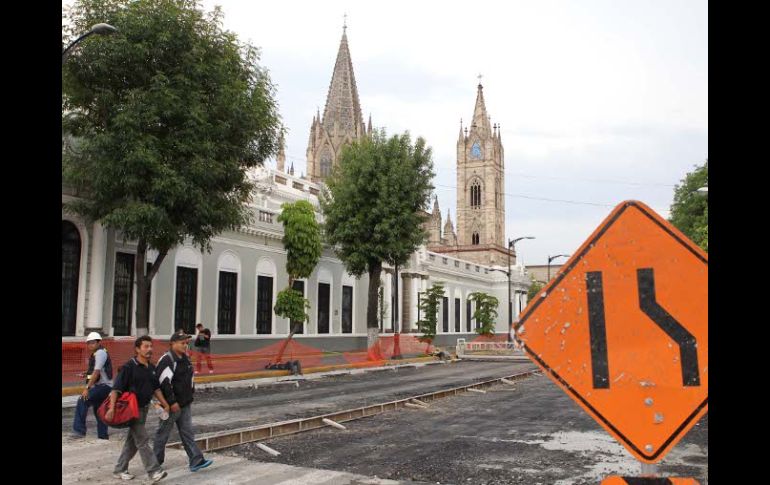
96	395
183	420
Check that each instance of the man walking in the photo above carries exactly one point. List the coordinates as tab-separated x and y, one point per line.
203	345
138	376
176	383
98	387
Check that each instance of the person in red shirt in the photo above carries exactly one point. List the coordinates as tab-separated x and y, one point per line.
203	346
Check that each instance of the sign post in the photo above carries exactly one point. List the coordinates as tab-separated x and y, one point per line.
623	330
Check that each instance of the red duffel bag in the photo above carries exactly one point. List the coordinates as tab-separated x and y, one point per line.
126	410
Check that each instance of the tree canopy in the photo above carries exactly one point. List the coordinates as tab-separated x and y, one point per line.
690	211
374	197
169	114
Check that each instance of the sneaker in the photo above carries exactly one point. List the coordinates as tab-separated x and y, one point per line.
211	371
200	465
158	476
123	476
77	436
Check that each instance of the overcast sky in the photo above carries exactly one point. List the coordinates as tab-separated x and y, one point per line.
599	101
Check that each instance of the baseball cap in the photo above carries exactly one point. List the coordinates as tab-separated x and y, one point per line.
180	336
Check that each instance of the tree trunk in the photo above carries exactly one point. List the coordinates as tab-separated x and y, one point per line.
143	279
293	329
372	326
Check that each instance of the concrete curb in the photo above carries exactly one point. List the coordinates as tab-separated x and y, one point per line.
70	401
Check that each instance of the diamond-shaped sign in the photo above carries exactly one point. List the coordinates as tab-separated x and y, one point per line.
623	330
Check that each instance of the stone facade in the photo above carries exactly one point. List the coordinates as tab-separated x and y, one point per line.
480	235
341	122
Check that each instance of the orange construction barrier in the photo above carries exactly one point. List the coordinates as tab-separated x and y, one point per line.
121	349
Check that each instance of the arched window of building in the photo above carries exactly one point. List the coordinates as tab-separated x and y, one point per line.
475	238
266	277
70	276
228	296
475	193
326	162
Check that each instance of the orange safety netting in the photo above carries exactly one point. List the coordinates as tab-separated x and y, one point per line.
121	349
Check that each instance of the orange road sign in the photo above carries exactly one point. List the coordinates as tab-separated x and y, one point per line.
623	330
615	480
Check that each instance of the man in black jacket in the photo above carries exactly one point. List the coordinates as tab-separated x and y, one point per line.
176	383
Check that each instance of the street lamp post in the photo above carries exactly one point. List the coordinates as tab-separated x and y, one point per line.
551	258
508	274
511	248
99	29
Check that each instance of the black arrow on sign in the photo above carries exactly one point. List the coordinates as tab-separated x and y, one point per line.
688	351
597	330
645	278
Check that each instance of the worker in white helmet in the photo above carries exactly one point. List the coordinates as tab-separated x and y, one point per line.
98	387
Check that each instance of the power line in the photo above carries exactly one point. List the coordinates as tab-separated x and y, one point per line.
545	199
522	196
550	177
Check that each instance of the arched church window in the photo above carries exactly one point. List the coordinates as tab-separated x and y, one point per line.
476	150
475	238
475	194
326	163
70	276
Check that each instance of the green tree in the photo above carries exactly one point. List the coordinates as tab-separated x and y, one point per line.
534	289
302	241
372	205
689	211
429	305
168	114
486	312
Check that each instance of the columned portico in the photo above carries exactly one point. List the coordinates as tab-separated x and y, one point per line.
94	321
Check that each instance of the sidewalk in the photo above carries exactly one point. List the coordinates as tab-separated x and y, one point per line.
92	461
207	382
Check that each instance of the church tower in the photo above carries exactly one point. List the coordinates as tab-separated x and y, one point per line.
480	201
341	122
